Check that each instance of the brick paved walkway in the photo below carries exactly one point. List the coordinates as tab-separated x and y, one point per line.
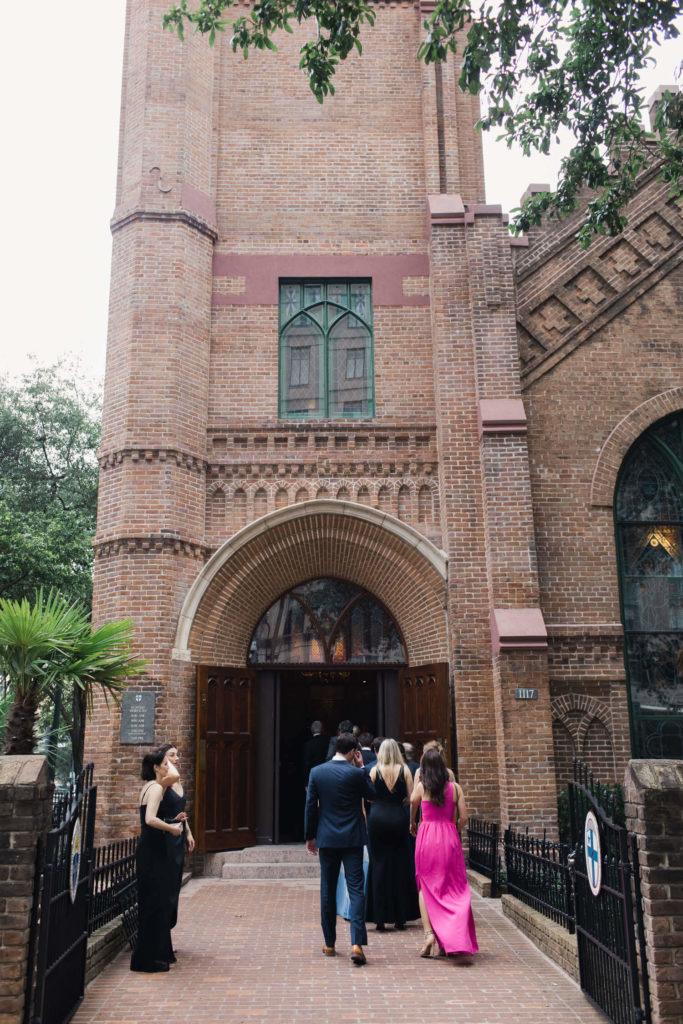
250	951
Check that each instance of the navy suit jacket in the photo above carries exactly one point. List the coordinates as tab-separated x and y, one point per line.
334	804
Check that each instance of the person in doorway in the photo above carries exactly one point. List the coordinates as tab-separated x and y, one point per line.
335	831
344	726
445	898
368	754
413	766
391	891
172	809
155	869
315	750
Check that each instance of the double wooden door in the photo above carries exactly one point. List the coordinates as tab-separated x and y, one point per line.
227	769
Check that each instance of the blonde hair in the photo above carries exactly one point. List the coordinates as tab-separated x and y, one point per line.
389	755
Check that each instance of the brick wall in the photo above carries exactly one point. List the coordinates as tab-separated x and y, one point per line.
600	350
654	812
25	814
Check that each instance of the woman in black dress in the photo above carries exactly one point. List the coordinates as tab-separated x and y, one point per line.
155	868
172	809
391	889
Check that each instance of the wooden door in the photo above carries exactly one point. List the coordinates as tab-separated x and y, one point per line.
424	706
226	758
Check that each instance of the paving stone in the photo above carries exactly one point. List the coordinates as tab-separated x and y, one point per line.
250	950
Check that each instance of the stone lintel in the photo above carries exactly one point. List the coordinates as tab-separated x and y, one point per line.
518	629
501	416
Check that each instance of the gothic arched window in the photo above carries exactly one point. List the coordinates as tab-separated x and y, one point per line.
326	349
649	524
327	622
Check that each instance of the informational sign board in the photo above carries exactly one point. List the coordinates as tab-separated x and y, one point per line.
137	717
526	693
593	852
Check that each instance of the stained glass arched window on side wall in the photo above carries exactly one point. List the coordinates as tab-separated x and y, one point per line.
327	622
649	525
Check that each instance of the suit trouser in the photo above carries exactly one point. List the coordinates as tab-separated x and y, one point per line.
331	859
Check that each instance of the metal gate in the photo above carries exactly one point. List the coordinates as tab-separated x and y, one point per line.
609	924
59	929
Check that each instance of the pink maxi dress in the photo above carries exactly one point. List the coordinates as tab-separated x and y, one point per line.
441	877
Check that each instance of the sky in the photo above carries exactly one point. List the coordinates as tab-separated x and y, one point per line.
60	78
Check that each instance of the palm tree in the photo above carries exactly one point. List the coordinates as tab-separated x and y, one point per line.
50	643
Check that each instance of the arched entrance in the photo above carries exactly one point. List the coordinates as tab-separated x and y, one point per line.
391	577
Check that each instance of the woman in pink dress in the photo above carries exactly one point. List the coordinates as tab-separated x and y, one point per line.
445	900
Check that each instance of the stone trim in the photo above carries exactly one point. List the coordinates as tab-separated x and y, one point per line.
190	220
514	629
262	273
627	431
501	416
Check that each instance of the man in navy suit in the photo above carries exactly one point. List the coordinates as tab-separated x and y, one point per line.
335	830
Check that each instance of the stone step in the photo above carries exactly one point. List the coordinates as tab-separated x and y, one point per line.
271	870
286	861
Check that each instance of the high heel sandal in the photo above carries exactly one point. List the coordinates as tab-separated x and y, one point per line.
429	944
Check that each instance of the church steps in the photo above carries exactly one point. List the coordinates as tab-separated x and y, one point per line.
286	861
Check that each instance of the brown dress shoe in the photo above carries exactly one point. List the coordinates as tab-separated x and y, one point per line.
329	951
358	956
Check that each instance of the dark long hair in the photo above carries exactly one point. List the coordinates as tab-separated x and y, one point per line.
434	776
165	747
149	762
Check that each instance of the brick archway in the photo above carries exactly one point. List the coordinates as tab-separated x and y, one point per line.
403	569
622	437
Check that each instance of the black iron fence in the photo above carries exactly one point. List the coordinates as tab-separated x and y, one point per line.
112	877
484	856
538	873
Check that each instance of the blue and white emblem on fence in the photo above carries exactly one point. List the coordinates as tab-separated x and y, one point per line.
75	860
593	853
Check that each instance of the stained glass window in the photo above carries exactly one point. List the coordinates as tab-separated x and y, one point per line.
327	621
326	349
649	523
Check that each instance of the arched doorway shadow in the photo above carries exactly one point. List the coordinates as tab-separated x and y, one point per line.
239	747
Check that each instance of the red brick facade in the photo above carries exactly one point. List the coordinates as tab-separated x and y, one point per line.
509	383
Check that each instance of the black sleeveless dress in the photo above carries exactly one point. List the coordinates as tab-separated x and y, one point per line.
170	807
391	894
156	871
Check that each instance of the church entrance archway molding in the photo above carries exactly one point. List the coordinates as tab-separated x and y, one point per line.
379	553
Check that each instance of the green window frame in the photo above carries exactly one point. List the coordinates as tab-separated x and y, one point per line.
326	349
648	517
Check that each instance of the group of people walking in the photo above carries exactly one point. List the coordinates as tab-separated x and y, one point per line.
357	800
353	802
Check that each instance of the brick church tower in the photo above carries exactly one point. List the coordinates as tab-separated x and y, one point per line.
317	499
